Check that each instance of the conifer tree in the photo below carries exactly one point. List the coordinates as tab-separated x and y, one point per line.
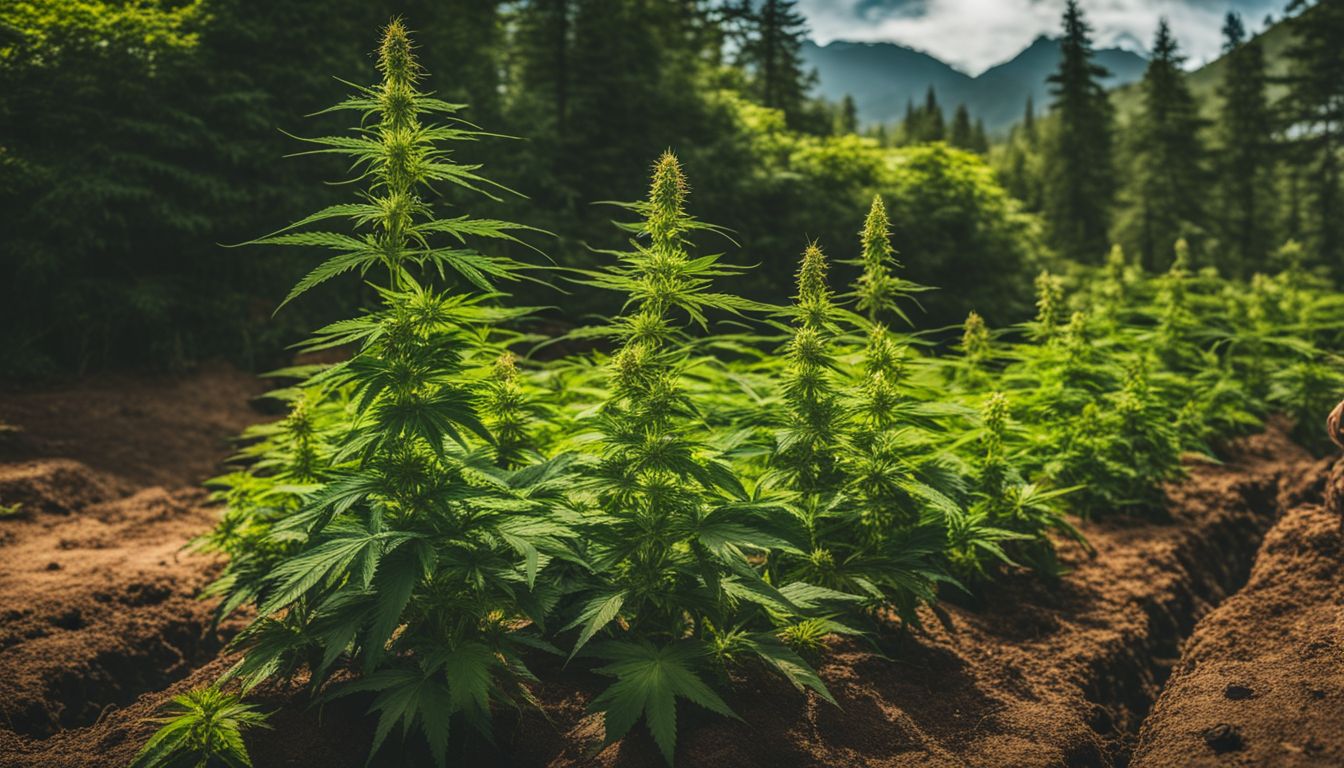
1029	122
932	126
1164	199
847	120
962	135
1312	114
880	133
1079	174
773	54
543	52
979	139
910	130
1245	160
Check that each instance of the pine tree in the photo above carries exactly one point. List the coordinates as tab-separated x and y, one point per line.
1246	158
910	123
773	54
1312	113
962	135
847	119
932	127
544	28
881	134
979	139
1079	174
1029	122
1165	194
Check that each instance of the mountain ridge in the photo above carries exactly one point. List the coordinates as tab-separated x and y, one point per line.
883	77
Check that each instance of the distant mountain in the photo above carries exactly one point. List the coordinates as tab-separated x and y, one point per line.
883	77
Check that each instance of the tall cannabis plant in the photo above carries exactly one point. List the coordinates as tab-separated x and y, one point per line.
878	290
806	448
409	558
669	526
1050	306
1010	516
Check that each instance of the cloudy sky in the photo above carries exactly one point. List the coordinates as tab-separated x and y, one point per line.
976	34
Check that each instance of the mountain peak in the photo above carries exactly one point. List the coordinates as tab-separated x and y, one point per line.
883	77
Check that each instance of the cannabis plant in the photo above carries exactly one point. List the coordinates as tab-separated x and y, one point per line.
1050	306
879	291
508	412
1011	517
670	529
200	729
1121	449
805	449
1176	322
408	557
975	341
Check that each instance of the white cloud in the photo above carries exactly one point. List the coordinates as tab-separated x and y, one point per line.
976	34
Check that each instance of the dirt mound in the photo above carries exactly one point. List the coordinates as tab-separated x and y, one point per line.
55	486
97	596
1261	681
99	606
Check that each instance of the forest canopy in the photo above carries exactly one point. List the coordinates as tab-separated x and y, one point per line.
137	137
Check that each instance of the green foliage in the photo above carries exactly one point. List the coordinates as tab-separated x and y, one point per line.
1164	199
806	446
1078	182
666	523
203	727
1245	164
771	53
704	485
374	529
1312	115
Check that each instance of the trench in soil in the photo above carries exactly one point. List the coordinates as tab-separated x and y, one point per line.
1217	566
115	679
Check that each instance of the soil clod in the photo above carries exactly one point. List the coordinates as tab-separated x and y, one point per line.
1223	738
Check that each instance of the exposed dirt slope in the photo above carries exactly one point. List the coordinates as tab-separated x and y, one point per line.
1261	681
97	599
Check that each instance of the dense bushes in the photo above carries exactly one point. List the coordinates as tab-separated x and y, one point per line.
947	210
136	137
702	497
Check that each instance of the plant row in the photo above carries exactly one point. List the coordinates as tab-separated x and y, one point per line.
717	486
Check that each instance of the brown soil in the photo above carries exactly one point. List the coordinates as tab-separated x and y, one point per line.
97	599
1261	681
1034	674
